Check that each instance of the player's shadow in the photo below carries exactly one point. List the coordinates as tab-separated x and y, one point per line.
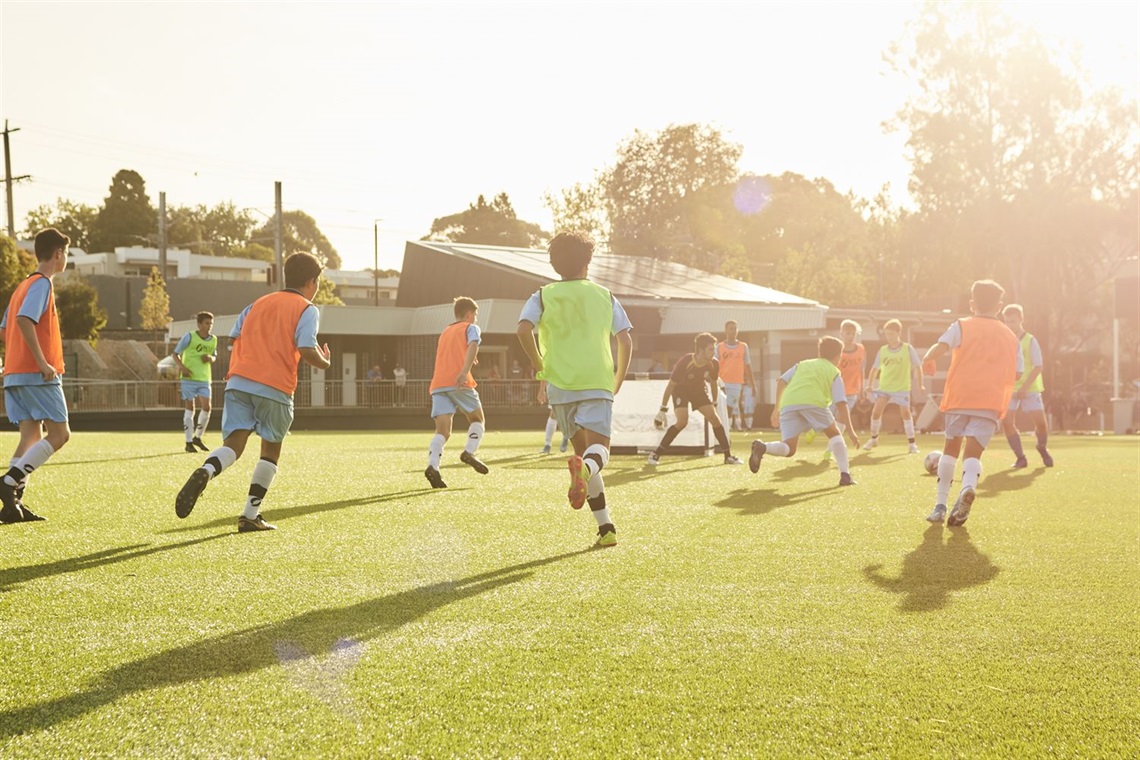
750	501
316	633
798	470
934	570
288	513
167	455
14	576
865	458
621	476
1008	480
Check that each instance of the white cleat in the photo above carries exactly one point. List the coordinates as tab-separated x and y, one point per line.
870	444
913	449
653	459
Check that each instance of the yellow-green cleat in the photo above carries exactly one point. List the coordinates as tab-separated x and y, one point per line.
607	536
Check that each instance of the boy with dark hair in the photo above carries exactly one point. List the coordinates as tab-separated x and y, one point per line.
895	366
693	376
195	355
453	388
575	319
805	395
271	337
1027	391
983	368
33	371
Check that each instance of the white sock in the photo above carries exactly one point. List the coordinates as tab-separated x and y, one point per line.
474	437
224	456
33	458
971	473
188	424
203	421
595	487
263	473
435	450
551	426
839	450
12	463
946	466
908	427
876	425
600	452
778	449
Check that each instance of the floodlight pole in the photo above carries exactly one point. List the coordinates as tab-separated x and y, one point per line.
375	262
278	236
162	235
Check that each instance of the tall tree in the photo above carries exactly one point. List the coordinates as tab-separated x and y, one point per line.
15	265
126	216
223	230
80	315
493	223
326	293
301	233
75	220
154	314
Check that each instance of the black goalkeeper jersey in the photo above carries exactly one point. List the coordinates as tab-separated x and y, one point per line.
692	381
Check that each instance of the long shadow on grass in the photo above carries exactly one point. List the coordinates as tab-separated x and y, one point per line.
1009	480
799	470
750	501
934	570
639	472
288	513
318	632
167	455
14	576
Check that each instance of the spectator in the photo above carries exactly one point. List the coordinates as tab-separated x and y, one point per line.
494	374
401	376
375	374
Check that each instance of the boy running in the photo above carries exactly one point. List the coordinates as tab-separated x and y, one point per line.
551	423
693	376
271	337
195	355
805	395
1027	391
983	369
852	367
453	388
735	363
575	319
894	366
33	371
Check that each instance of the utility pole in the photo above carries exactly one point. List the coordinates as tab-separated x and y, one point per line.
278	237
9	179
162	235
375	263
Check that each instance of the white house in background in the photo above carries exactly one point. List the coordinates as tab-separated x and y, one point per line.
360	289
136	261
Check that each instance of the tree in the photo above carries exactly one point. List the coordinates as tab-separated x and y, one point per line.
580	208
126	216
493	223
75	220
15	265
80	315
154	314
300	233
223	230
326	293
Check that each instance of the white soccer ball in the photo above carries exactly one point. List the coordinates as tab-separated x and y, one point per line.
931	462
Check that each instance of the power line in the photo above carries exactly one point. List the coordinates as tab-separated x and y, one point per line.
9	179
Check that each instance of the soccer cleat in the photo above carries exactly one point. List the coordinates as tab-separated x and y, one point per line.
913	449
938	515
579	475
870	444
473	463
564	445
10	511
730	459
961	511
607	536
246	525
654	459
758	449
809	436
434	477
845	479
545	449
188	496
201	446
826	456
190	448
1020	464
1046	457
28	515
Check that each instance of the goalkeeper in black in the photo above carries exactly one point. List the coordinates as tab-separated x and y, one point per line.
694	378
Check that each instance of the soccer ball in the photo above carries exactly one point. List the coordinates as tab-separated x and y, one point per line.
931	462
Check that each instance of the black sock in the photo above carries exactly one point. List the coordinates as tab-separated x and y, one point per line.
670	434
722	439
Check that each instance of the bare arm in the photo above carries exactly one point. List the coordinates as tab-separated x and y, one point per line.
182	368
525	333
1028	381
933	354
669	386
781	384
845	418
28	330
468	362
317	357
871	378
625	350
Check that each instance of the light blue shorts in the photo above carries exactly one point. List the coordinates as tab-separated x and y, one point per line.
594	414
734	393
194	388
448	402
35	402
970	426
1031	403
899	398
244	411
795	422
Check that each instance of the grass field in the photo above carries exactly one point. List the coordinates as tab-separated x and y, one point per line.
742	615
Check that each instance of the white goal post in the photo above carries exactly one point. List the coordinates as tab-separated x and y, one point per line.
636	405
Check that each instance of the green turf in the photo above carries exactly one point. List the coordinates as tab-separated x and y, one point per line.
767	615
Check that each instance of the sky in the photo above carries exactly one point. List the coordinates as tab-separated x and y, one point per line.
405	112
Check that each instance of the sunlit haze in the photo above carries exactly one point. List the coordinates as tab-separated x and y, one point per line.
407	112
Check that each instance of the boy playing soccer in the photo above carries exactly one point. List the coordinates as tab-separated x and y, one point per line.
689	385
894	366
736	373
551	423
33	370
1027	391
575	319
983	368
453	387
852	367
804	398
195	355
271	336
